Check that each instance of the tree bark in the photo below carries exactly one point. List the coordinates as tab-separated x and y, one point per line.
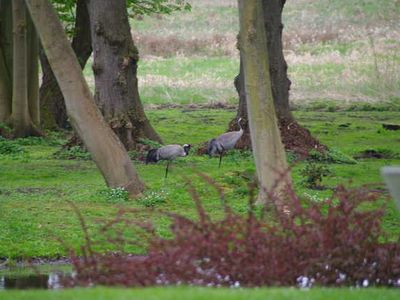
107	151
295	137
52	104
20	117
115	59
267	147
5	91
5	60
6	36
272	16
33	73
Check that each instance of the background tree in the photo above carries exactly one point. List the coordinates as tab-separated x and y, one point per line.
19	70
76	22
52	104
269	154
294	136
115	59
5	60
107	151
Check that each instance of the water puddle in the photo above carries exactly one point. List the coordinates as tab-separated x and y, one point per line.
43	277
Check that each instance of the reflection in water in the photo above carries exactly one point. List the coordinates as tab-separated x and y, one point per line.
35	281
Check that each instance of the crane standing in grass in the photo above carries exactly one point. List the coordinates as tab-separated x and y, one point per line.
168	152
224	142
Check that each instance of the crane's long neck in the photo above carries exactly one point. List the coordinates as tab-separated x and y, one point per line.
240	126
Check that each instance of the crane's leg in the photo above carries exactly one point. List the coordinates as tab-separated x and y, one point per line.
220	159
166	170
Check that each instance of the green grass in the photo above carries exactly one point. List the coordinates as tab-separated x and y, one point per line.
35	187
204	293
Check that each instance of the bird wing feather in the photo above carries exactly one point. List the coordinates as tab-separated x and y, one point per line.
170	152
229	139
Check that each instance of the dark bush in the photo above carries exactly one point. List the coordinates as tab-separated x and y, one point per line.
335	243
313	174
10	147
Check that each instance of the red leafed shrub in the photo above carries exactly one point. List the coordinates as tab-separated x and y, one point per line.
334	243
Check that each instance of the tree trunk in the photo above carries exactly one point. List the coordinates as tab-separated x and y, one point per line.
5	91
280	82
5	60
295	137
107	151
20	117
52	104
267	147
33	73
115	59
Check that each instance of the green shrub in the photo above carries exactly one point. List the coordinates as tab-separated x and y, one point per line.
10	147
313	174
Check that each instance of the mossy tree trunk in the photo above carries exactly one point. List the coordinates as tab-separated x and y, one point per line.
52	106
267	147
295	137
105	147
115	59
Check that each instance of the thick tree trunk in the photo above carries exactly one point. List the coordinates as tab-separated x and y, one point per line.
267	147
115	59
20	117
107	151
295	137
52	104
5	60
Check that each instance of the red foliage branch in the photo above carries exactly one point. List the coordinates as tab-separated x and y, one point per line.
334	243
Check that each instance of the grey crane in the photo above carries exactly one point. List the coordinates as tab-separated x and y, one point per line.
168	152
224	142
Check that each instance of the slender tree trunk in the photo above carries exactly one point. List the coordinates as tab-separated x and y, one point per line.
5	91
295	137
272	14
107	151
115	59
267	147
21	120
52	104
280	82
5	60
6	36
33	73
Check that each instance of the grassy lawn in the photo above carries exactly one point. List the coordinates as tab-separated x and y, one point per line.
205	293
36	187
